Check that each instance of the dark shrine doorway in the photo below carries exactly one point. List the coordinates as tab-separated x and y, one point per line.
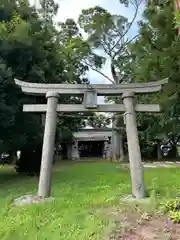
89	149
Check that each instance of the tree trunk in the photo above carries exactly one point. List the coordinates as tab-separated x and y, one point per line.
12	157
117	142
121	147
159	152
113	142
69	151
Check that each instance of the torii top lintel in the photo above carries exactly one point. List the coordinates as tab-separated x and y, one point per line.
101	89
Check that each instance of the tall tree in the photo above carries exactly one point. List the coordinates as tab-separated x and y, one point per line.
31	50
108	34
157	56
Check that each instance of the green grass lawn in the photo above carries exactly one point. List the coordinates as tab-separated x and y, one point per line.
82	191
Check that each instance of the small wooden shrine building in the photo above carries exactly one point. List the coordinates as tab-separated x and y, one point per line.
90	143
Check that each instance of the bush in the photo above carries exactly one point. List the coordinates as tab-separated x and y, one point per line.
30	160
175	216
172	207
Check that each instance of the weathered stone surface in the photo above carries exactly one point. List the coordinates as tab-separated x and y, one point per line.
45	178
75	150
90	99
30	199
94	134
52	91
134	152
82	108
130	198
80	89
106	150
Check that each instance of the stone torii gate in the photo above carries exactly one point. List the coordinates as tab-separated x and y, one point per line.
90	92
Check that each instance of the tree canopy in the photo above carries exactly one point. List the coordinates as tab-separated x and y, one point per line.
34	49
99	121
150	55
157	57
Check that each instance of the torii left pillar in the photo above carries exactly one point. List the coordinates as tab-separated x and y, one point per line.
45	179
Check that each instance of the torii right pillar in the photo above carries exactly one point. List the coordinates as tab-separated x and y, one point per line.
136	165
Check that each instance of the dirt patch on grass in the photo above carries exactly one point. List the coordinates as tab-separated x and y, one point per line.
138	226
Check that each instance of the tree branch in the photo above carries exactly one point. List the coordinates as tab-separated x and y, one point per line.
98	71
114	73
130	25
124	45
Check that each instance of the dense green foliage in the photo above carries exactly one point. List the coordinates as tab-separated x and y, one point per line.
172	207
98	121
151	55
33	49
157	52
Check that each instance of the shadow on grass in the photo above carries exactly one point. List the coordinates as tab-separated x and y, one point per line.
9	176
